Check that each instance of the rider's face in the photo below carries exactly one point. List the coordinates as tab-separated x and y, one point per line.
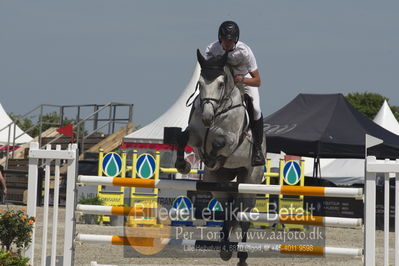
227	44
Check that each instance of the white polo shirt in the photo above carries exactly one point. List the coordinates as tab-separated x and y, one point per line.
241	59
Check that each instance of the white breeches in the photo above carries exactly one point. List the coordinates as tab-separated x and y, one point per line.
253	92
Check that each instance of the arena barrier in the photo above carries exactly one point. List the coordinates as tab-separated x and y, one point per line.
373	166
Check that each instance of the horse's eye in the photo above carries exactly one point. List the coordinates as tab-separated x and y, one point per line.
221	85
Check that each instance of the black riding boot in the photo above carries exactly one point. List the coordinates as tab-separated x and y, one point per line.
258	158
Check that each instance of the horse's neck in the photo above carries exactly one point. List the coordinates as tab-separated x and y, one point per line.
235	93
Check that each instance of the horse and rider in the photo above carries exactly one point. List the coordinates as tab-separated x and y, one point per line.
243	65
226	126
242	62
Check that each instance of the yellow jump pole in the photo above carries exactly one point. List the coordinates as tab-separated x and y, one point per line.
134	175
157	168
100	167
302	178
281	168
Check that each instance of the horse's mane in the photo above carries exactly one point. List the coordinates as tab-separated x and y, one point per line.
229	76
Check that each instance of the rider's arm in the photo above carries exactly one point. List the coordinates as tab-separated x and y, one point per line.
254	80
249	62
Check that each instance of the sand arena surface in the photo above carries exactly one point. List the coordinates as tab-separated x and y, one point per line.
108	254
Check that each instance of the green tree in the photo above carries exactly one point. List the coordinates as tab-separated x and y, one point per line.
369	103
24	123
51	119
395	111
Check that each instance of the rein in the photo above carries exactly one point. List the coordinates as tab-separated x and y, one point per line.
192	95
222	99
210	100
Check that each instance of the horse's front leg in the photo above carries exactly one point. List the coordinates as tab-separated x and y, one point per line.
242	256
247	202
181	164
225	250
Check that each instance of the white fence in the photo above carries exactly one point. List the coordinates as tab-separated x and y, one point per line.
49	156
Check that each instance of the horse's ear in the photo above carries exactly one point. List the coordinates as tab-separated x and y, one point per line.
200	58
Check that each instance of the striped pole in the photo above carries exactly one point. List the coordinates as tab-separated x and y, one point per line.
175	171
213	245
116	240
220	216
115	210
299	219
223	187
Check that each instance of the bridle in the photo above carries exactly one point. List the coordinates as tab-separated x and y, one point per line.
215	102
218	107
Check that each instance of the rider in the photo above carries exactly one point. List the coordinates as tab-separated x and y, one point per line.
246	76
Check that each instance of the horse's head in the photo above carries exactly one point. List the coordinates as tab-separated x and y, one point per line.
212	85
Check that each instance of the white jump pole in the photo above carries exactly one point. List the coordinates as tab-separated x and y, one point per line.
397	218
386	217
55	209
276	248
94	263
46	206
71	192
32	198
369	202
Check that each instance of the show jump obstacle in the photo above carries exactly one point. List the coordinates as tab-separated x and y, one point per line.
373	166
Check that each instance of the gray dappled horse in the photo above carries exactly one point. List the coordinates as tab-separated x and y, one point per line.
218	131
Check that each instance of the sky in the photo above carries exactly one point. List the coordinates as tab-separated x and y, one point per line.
143	52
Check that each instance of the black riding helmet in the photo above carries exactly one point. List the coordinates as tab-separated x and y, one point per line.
229	30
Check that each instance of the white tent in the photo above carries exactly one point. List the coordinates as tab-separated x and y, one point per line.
7	133
176	116
350	171
386	119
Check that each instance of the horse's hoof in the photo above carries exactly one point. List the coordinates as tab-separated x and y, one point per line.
242	263
183	167
226	254
243	257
